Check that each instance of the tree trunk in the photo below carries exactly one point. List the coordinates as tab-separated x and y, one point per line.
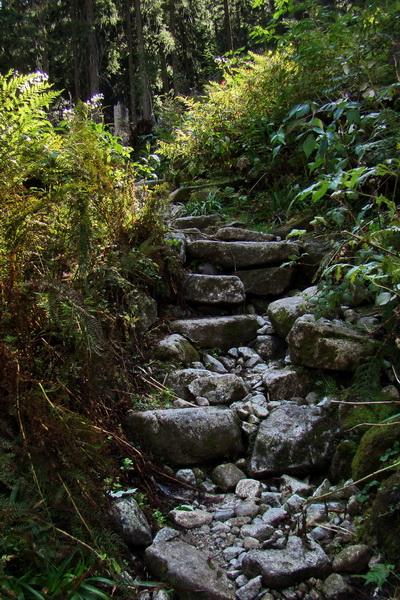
145	91
76	63
164	72
172	29
228	26
43	55
131	67
93	57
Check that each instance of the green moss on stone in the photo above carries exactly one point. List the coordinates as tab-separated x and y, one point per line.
368	413
384	520
373	445
341	463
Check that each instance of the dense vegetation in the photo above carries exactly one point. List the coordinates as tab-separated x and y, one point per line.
305	133
311	127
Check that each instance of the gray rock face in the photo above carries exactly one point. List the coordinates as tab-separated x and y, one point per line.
214	289
324	344
131	523
236	255
292	439
335	587
353	559
219	389
144	309
190	519
285	383
238	234
186	436
269	346
284	312
188	571
176	348
179	381
219	332
265	282
283	568
226	476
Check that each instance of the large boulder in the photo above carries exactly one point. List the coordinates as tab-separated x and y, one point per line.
130	522
179	380
219	389
214	289
186	436
143	310
265	282
188	571
282	384
237	255
293	439
284	312
282	568
219	332
176	348
325	344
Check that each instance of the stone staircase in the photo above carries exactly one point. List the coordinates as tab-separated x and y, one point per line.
247	435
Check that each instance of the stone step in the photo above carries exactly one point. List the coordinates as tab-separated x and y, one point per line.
214	289
219	332
237	255
186	436
239	234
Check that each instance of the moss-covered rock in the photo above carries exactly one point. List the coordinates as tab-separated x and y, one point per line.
355	415
340	468
325	344
385	518
177	349
373	445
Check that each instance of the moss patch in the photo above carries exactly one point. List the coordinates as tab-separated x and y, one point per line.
373	445
368	413
385	518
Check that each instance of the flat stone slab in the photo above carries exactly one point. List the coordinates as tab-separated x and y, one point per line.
293	439
219	332
186	436
325	344
188	571
214	289
265	282
239	234
237	255
282	568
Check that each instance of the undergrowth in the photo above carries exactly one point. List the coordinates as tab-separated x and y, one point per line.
81	247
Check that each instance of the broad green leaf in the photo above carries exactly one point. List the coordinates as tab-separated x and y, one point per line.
383	298
317	123
309	145
322	191
353	116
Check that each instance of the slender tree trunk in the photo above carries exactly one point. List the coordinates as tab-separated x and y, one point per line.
75	18
131	67
172	29
164	72
228	26
145	91
93	58
43	55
